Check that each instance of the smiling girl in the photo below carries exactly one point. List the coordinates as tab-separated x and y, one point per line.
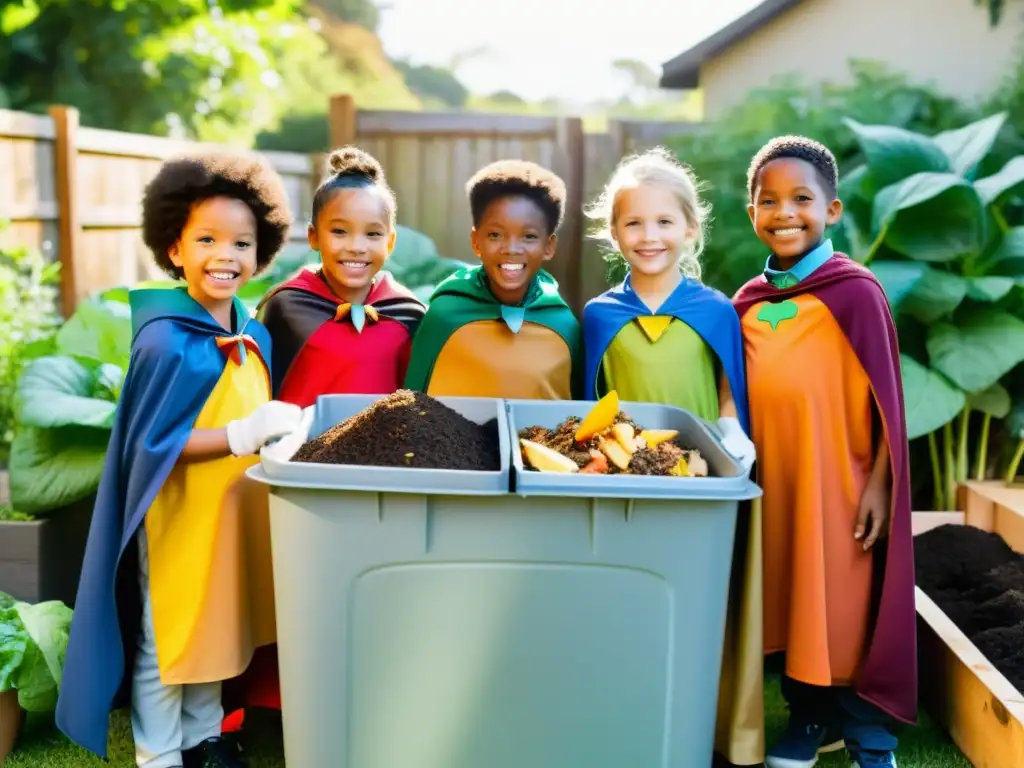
345	328
664	337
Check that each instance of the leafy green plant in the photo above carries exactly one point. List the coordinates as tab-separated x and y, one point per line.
416	263
28	319
721	150
33	645
935	229
65	408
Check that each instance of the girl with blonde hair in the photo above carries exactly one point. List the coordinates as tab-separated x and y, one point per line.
662	336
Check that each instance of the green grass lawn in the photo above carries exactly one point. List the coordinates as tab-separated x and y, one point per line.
41	746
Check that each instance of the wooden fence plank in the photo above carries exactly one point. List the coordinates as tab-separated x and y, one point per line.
22	125
65	123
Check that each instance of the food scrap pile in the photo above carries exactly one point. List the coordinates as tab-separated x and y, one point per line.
608	442
407	429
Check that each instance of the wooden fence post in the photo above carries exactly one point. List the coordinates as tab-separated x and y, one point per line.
343	120
570	138
65	124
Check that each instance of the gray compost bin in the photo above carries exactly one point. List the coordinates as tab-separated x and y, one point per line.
432	619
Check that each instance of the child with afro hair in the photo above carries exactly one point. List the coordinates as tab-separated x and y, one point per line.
176	590
501	329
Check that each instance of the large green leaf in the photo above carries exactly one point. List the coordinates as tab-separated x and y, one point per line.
995	401
898	278
59	391
51	468
992	187
96	332
967	146
934	296
930	217
990	289
895	153
1008	258
411	248
48	625
931	401
978	350
14	642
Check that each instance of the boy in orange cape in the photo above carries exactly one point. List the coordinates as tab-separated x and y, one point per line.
828	422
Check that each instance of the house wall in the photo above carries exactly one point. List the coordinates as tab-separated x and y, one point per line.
947	42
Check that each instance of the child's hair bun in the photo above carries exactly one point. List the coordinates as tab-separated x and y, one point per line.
352	161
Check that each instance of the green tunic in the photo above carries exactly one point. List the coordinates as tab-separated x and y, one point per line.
678	369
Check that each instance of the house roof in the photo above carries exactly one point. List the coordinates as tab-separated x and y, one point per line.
684	70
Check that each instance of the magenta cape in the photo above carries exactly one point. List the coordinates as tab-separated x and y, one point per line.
888	676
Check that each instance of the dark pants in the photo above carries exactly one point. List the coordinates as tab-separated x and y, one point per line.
864	726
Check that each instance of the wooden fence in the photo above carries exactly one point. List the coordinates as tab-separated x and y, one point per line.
429	157
74	192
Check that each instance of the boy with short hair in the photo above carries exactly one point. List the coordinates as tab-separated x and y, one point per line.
176	587
501	329
826	403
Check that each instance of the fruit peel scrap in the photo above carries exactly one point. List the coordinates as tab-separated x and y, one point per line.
655	437
600	418
545	459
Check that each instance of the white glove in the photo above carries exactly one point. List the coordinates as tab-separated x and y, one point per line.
286	447
274	419
736	442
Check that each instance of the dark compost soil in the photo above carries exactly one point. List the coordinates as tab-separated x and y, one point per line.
978	581
407	429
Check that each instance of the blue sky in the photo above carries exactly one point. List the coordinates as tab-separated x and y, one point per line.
561	48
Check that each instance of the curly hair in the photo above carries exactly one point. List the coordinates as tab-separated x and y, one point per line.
656	166
799	148
517	178
183	182
353	168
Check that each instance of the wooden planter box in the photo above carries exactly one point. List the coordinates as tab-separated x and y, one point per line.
982	711
10	722
42	559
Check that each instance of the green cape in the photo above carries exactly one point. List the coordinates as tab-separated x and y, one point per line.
465	298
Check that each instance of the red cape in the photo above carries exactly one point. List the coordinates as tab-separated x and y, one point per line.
888	677
314	355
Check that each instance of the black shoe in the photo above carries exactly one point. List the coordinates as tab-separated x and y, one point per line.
213	753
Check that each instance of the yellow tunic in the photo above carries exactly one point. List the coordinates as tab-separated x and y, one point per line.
208	533
486	359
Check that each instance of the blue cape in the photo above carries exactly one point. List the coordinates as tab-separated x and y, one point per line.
175	364
705	310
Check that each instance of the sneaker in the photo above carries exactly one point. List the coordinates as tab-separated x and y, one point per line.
213	753
873	760
833	740
799	746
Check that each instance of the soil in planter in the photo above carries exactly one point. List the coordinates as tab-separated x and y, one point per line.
407	429
978	581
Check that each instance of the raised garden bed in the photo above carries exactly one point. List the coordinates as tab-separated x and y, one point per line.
42	559
976	584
